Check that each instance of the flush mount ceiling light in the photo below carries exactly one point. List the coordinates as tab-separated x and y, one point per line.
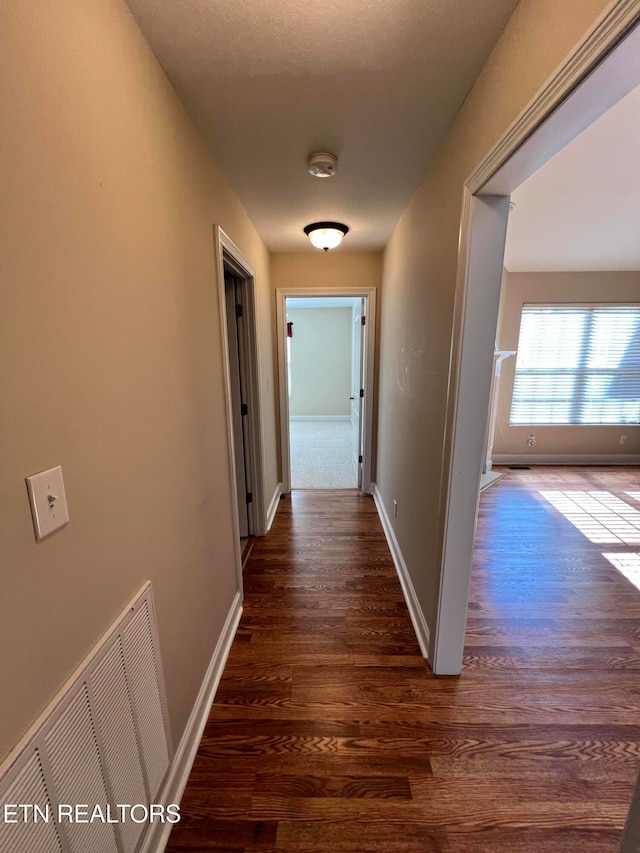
326	235
322	164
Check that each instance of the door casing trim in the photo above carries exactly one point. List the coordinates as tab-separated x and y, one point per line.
229	255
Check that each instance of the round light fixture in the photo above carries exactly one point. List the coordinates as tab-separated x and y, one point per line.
326	235
322	164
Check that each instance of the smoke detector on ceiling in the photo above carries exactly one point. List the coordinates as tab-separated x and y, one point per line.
322	164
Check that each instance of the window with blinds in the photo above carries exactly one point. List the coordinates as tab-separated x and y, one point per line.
577	364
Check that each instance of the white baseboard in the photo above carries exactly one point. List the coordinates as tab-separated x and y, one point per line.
319	417
273	506
565	459
173	788
490	478
415	611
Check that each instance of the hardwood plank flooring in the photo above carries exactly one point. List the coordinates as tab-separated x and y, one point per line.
330	734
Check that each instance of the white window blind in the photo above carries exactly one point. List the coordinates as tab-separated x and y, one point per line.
578	364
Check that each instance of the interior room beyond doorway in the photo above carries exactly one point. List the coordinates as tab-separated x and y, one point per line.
324	365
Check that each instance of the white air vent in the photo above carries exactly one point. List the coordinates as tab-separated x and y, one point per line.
72	753
103	742
144	689
119	745
36	836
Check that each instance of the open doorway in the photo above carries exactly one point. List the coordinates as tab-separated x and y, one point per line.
570	306
326	354
238	386
603	70
324	372
242	384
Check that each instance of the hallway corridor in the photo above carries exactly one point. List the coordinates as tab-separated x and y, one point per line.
330	734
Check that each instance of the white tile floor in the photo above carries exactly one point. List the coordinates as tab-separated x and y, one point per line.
321	455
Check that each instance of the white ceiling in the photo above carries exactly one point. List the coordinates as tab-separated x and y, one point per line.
582	210
376	82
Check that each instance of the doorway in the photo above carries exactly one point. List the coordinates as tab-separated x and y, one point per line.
238	386
594	79
237	302
326	342
324	372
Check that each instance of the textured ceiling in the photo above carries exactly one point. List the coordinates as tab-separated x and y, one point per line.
377	82
582	210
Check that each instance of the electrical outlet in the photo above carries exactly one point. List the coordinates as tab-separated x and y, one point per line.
395	508
623	439
531	441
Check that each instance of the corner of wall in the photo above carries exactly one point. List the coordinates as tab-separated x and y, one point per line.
416	613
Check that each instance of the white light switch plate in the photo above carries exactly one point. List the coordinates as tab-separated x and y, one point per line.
48	501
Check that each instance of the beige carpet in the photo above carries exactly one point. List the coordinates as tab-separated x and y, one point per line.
321	455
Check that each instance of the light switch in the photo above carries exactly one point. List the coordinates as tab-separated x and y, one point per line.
48	501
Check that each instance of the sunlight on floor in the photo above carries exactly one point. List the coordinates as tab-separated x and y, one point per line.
628	565
599	515
602	517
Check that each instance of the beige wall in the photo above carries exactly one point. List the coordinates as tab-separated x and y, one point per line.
111	354
419	282
321	361
317	270
550	288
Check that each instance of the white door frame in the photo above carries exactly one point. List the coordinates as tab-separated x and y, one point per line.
229	255
600	71
369	294
358	348
237	350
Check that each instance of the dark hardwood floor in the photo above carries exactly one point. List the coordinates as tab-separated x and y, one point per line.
329	733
